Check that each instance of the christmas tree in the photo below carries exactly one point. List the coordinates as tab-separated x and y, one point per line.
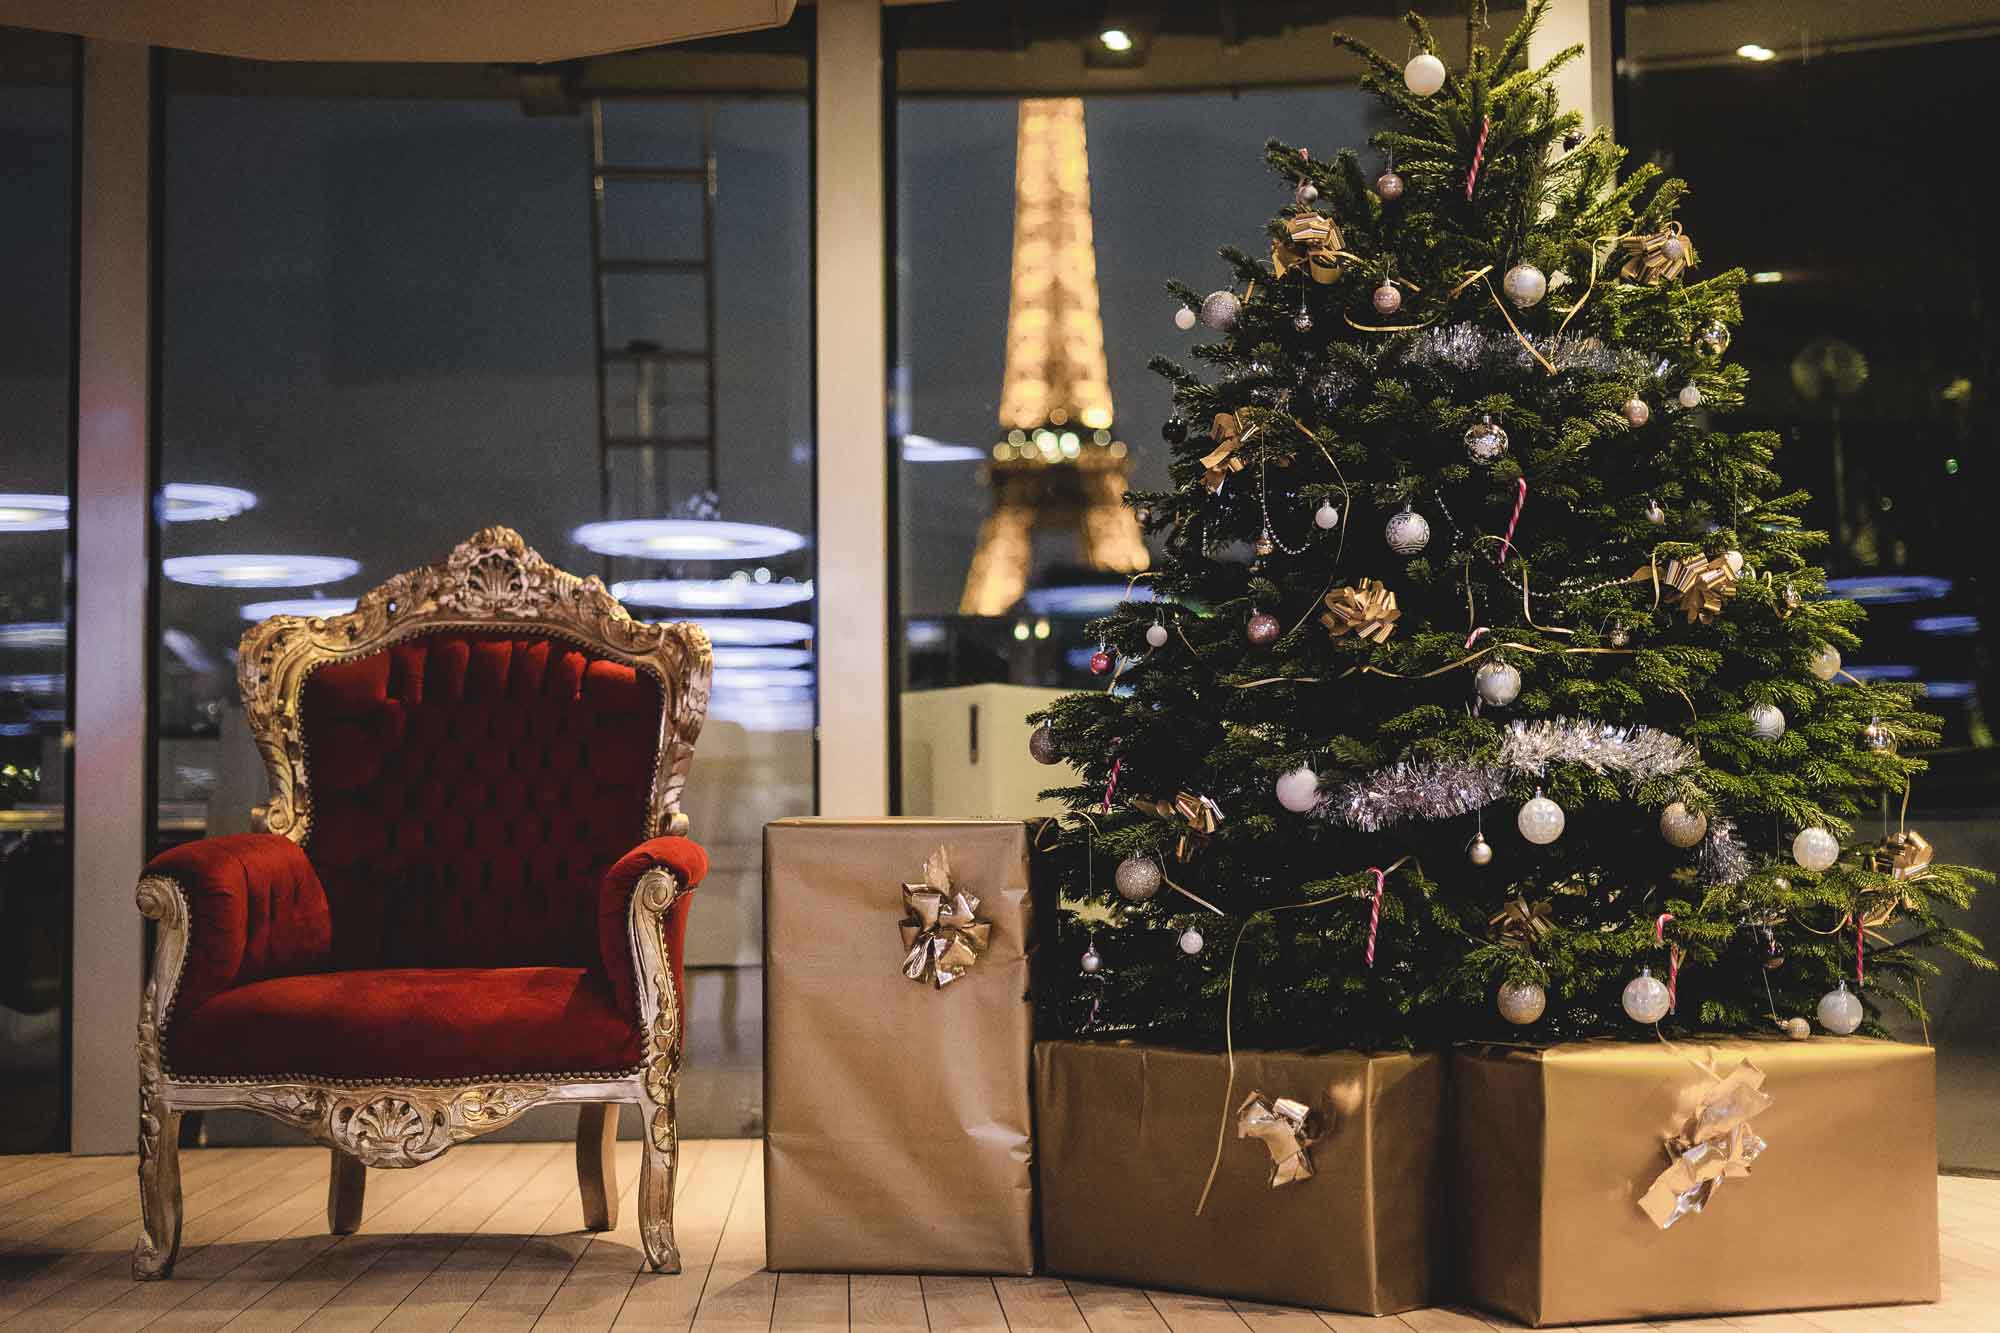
1464	586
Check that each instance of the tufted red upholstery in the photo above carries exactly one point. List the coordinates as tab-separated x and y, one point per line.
469	792
256	910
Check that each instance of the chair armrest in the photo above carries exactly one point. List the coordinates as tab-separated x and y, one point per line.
688	863
254	909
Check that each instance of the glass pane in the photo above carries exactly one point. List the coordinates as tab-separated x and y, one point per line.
37	98
379	327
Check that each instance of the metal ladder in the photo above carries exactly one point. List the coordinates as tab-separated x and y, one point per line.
645	428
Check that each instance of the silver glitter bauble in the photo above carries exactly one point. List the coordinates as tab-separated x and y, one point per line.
1797	1029
1840	1010
1711	340
1646	999
1767	721
1540	821
1303	321
1390	186
1298	790
1879	738
1655	514
1673	248
1480	853
1689	396
1636	412
1263	629
1042	745
1220	310
1498	683
1191	941
1091	960
1326	516
1424	74
1138	878
1522	1002
1156	635
1525	286
1619	637
1485	440
1815	848
1682	827
1408	532
1825	662
1184	319
1388	300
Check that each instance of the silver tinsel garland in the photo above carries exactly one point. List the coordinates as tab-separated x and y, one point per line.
1721	858
1468	348
1639	753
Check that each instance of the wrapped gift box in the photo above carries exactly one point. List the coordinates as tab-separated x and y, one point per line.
897	1113
1553	1150
1125	1135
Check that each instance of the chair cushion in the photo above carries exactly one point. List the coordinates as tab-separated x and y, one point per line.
417	1023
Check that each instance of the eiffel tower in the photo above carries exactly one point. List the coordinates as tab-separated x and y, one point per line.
1058	476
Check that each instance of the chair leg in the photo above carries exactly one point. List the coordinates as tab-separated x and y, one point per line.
656	1184
597	1164
159	1195
346	1191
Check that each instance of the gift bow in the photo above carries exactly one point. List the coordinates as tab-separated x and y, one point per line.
1312	239
1220	461
1287	1128
1904	855
1201	814
1646	256
1701	584
1522	924
1367	609
943	935
1718	1143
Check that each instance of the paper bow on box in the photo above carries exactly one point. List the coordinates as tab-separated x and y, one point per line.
1700	584
1646	258
1718	1143
1288	1129
943	936
1313	239
1201	815
1367	609
1522	924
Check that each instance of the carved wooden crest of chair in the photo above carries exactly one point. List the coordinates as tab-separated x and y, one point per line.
469	897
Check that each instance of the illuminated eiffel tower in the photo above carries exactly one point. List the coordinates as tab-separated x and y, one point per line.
1058	476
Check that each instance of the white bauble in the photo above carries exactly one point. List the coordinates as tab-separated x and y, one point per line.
1138	878
1424	75
1646	999
1655	514
1525	286
1184	318
1387	299
1480	851
1767	721
1815	848
1298	790
1326	516
1636	411
1156	635
1840	1010
1540	821
1734	561
1682	827
1091	960
1408	532
1191	941
1498	682
1690	396
1521	1003
1825	662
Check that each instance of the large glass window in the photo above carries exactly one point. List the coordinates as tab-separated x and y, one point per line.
37	151
402	304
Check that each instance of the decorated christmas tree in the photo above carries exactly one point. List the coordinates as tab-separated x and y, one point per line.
1486	681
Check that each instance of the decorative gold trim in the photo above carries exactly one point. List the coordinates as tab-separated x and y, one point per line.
659	1010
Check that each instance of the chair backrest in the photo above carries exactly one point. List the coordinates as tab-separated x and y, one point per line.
466	752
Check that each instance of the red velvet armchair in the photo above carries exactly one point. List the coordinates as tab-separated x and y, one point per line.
469	897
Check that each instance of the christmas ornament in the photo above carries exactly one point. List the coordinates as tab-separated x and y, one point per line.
1690	396
1825	662
1700	584
1522	925
1619	637
1326	516
1387	299
1878	738
1636	412
1138	878
1220	310
1682	827
1840	1010
1173	430
1733	562
1788	602
1100	662
1390	186
1661	257
1525	286
1521	1003
1184	318
1042	745
1262	629
1767	721
1721	858
1646	999
1303	321
1266	543
1772	952
1408	532
1222	460
1367	609
1298	790
1201	815
1306	193
1497	682
1711	340
1311	239
1424	74
1091	960
1572	140
1904	855
1156	635
1540	821
1655	514
1480	852
1797	1029
1815	848
1485	440
1191	941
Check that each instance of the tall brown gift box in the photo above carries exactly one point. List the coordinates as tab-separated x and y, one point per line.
898	1136
1125	1135
1553	1149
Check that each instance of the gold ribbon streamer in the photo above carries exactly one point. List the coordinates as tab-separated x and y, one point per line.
1368	609
1701	584
943	936
1315	242
1220	461
1718	1143
1288	1130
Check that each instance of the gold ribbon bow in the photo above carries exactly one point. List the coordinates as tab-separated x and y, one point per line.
1717	1144
1646	258
1201	814
1905	855
1220	461
1288	1129
1367	609
1701	584
1315	242
1522	924
943	936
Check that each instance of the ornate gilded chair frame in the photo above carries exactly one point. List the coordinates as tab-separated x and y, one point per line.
491	582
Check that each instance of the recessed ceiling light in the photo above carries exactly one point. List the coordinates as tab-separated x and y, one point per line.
686	539
34	634
731	658
751	678
1115	39
711	594
32	683
1085	599
298	606
258	571
189	502
1752	51
923	449
33	513
755	633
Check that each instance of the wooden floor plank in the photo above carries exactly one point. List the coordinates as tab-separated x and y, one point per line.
1038	1305
27	1199
1183	1313
740	1293
701	1210
589	1299
1115	1309
1263	1318
810	1303
886	1303
968	1303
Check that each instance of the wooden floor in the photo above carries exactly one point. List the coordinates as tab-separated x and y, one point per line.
487	1238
